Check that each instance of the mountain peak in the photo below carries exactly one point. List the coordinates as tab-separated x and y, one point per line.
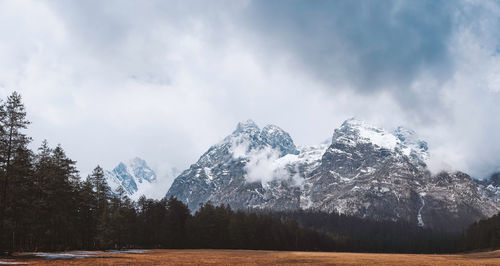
137	162
357	123
353	121
131	175
354	131
357	131
246	126
277	138
120	167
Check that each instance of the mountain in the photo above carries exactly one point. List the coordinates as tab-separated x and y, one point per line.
365	171
132	176
490	187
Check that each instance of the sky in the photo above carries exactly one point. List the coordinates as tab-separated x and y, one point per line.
165	80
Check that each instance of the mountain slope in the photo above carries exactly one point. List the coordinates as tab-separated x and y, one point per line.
132	176
365	171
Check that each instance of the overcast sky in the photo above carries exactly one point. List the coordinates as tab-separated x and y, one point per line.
164	80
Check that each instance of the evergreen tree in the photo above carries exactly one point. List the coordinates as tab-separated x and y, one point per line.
42	187
174	224
19	212
101	189
63	187
87	221
101	196
12	140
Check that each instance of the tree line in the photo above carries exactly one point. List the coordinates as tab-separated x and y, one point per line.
484	234
353	233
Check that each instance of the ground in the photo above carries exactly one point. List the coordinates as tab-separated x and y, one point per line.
252	257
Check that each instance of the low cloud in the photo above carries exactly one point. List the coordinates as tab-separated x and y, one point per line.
264	164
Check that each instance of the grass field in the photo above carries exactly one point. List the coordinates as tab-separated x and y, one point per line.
251	257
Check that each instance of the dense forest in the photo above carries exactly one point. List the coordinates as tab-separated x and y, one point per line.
45	205
357	234
484	234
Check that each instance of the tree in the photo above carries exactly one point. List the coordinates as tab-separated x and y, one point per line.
20	210
12	122
101	196
174	224
62	195
101	189
87	221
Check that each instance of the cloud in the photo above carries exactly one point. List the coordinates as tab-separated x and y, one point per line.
164	81
437	61
264	164
156	190
368	46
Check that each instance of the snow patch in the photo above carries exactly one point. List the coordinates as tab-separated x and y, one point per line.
378	137
420	220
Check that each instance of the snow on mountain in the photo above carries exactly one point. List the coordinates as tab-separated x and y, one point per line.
365	171
490	188
135	177
402	139
366	134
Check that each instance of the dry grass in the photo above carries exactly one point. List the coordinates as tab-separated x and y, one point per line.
251	257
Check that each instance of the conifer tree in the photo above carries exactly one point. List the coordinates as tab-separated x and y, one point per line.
174	223
12	139
87	221
19	213
101	196
101	189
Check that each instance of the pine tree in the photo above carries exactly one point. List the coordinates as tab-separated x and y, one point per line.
87	221
174	223
63	188
42	187
20	212
12	122
101	189
101	196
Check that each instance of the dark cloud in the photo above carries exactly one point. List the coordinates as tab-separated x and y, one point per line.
365	45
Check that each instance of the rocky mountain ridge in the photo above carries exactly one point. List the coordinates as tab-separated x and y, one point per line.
365	171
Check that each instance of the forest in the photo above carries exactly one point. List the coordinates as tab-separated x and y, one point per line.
46	206
359	234
484	234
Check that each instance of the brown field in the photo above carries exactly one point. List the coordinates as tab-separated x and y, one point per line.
251	257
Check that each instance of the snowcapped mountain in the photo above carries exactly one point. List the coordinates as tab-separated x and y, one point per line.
132	176
490	187
365	171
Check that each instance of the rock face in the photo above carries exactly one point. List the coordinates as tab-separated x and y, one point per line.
365	171
490	188
131	176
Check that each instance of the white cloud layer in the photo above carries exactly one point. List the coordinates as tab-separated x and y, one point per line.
111	80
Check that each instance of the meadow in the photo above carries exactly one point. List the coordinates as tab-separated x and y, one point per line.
249	257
